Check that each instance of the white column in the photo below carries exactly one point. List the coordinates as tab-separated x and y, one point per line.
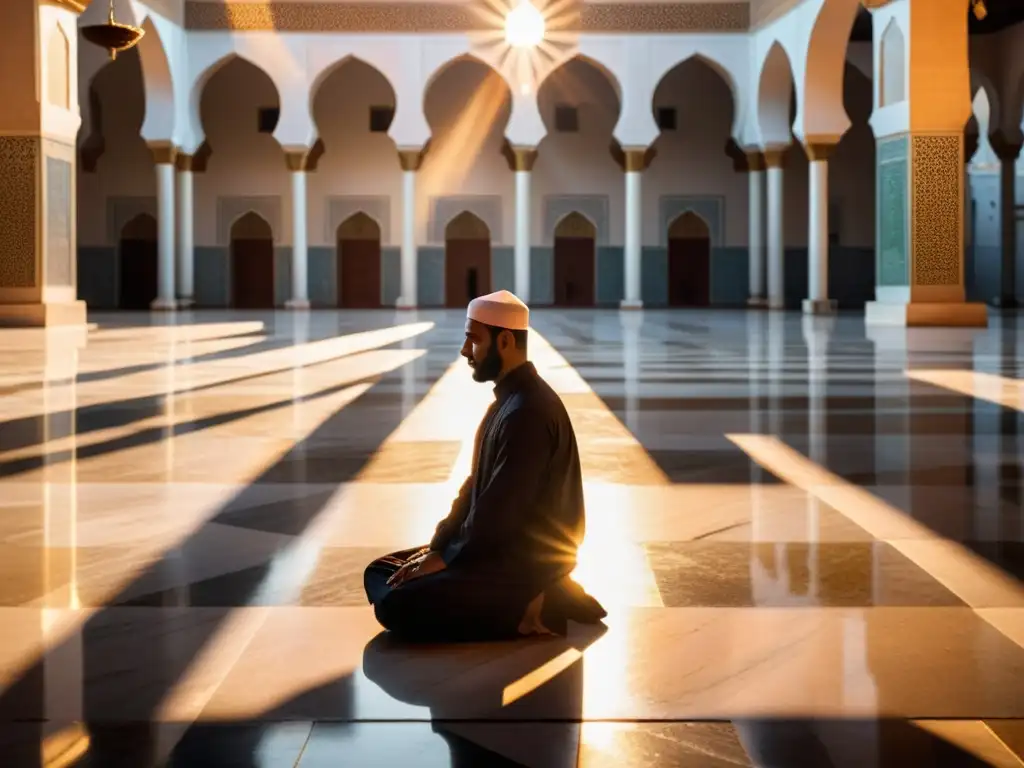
818	302
186	241
755	181
163	155
523	165
776	249
634	165
297	164
410	160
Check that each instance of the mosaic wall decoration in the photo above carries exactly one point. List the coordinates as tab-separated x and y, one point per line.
59	223
19	164
892	191
420	17
938	208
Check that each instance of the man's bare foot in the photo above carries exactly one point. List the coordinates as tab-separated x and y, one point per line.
531	623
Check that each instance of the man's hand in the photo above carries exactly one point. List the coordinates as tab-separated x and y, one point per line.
421	565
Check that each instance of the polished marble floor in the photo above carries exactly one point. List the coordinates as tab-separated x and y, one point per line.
809	536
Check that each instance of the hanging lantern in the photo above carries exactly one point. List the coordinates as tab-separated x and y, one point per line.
114	36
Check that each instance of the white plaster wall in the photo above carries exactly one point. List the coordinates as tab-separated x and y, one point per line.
467	107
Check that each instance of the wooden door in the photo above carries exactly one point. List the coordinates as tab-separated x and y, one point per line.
137	270
689	272
574	272
467	271
252	273
359	274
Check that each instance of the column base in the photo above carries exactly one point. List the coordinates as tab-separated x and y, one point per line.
404	305
52	314
960	314
164	305
186	302
757	302
631	305
819	306
775	306
298	305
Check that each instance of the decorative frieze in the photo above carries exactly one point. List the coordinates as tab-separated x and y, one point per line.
421	17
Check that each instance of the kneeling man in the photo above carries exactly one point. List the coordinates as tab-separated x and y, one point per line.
498	566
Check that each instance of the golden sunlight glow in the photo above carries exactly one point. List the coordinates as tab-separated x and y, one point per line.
990	387
524	25
540	676
973	579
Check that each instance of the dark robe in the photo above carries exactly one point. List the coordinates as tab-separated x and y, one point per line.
512	533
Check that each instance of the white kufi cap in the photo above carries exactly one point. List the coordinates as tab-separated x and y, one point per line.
500	309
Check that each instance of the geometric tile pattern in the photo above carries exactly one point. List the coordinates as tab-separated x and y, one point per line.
809	542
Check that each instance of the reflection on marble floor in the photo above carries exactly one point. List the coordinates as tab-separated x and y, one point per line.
810	541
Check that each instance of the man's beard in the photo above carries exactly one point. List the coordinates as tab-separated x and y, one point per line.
488	368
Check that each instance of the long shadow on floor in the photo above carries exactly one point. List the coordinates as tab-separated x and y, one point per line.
131	658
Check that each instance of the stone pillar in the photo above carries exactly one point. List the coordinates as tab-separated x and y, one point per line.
523	159
635	161
164	154
774	160
298	165
1007	150
755	181
817	301
920	175
186	225
411	160
38	133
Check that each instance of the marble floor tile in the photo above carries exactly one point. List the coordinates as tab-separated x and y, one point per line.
808	540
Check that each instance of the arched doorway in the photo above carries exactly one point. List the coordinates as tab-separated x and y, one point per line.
358	265
137	263
252	263
689	261
467	259
575	239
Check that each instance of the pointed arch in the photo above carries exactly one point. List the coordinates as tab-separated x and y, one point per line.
446	65
775	97
714	66
467	257
211	71
319	78
137	263
359	226
613	81
892	82
157	79
689	225
358	262
466	225
689	260
575	224
820	108
252	262
575	261
58	66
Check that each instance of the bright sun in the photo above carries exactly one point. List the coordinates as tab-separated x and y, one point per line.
524	25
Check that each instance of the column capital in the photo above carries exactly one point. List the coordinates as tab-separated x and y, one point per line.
775	157
519	158
164	152
411	158
304	159
755	160
819	150
632	159
195	162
